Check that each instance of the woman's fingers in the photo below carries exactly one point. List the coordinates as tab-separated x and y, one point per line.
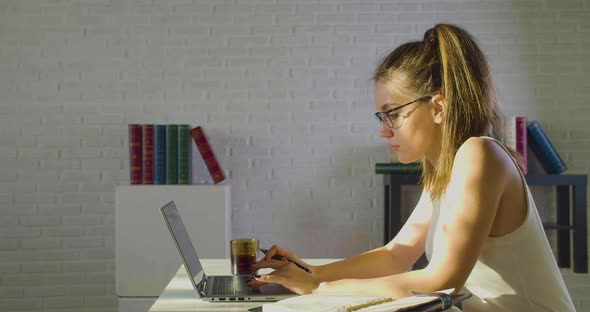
260	280
255	283
271	252
287	275
272	264
276	250
270	278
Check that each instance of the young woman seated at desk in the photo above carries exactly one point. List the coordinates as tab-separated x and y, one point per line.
476	219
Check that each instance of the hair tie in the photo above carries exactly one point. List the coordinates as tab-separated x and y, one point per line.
430	36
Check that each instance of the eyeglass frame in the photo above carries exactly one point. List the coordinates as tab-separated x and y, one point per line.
386	113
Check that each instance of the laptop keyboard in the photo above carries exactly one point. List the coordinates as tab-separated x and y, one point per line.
232	285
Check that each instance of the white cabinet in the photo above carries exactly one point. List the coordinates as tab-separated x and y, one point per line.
135	304
146	257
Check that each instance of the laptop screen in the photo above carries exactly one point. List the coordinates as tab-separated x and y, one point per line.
183	242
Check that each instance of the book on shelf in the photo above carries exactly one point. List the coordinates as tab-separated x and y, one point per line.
184	154
147	153
546	154
171	154
207	154
515	137
135	151
438	301
160	154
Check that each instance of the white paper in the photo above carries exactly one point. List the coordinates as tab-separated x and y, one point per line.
338	303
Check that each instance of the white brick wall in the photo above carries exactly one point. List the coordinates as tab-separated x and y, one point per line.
281	87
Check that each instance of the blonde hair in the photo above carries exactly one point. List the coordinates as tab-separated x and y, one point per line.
449	62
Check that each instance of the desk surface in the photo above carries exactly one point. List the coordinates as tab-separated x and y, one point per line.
179	295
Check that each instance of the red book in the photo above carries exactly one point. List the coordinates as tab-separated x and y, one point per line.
208	155
521	140
148	154
135	158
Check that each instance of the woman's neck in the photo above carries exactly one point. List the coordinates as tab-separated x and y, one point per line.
432	155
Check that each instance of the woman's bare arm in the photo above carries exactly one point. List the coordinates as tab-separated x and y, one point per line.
395	257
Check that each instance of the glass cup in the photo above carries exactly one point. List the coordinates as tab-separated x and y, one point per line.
243	253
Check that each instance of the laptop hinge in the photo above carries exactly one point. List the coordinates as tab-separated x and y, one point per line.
202	285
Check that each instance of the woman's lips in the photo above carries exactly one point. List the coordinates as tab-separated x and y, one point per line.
395	147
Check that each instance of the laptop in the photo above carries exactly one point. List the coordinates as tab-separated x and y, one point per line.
215	288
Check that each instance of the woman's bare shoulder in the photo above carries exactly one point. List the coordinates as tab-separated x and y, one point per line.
482	154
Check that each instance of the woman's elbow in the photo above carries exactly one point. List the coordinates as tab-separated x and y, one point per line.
440	279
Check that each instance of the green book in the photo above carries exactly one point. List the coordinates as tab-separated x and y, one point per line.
397	168
171	154
184	150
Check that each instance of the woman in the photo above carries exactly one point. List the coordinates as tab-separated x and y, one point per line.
476	219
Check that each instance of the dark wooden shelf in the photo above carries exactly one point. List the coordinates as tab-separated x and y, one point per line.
555	226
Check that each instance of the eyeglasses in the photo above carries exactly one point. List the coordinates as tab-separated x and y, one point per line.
395	120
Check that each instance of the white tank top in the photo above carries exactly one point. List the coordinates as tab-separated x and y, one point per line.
514	272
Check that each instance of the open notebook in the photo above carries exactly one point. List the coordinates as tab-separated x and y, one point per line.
347	303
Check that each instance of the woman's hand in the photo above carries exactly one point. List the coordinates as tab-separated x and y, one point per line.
278	253
281	252
286	274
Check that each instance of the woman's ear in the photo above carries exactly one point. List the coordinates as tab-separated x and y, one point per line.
440	107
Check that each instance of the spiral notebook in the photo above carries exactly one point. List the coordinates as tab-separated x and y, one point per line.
421	302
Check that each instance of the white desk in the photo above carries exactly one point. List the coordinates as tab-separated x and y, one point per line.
179	295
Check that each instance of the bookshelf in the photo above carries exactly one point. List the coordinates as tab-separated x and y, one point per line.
571	199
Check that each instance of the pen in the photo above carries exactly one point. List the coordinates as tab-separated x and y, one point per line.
277	257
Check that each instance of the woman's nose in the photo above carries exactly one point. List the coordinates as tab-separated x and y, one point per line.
385	131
